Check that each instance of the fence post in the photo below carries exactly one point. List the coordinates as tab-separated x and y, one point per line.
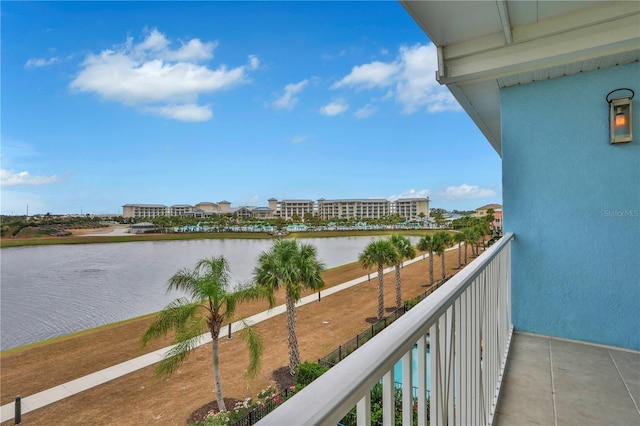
357	341
18	410
319	297
229	335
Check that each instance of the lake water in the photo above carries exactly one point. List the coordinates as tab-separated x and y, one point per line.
49	291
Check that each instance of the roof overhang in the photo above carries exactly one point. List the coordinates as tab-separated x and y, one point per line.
486	45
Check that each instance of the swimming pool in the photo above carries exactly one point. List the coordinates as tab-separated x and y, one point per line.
397	371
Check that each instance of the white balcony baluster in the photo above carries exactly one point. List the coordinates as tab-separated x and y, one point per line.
468	323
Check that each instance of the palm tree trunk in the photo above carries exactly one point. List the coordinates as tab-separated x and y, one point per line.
294	353
431	268
465	252
444	272
216	373
380	291
459	254
398	288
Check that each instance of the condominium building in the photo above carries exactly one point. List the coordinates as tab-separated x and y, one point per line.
286	209
148	211
354	208
411	207
364	208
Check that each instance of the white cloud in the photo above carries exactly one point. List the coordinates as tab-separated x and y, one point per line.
411	193
186	112
366	111
254	62
368	76
41	62
334	108
467	192
288	100
10	178
298	139
152	75
417	87
409	79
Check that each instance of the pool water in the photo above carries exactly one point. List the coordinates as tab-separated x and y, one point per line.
397	370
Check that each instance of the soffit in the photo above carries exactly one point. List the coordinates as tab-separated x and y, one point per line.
486	45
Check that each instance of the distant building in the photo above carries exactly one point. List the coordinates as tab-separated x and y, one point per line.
411	208
364	208
353	208
149	211
142	228
482	211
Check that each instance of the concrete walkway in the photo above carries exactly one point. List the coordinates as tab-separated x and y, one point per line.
57	393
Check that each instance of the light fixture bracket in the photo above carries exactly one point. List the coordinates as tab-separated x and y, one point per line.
620	116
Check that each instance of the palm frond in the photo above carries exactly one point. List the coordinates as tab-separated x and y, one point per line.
254	342
174	317
178	353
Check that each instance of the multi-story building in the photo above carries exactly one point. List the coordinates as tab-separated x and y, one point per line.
286	209
364	208
148	211
181	210
353	209
411	208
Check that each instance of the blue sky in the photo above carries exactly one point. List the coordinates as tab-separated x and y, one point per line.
105	104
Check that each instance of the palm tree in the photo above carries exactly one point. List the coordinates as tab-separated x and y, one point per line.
379	253
426	243
458	238
208	303
405	251
472	239
295	267
442	241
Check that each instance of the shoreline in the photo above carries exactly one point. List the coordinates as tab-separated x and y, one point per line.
89	238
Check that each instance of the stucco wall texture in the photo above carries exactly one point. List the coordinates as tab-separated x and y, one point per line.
573	201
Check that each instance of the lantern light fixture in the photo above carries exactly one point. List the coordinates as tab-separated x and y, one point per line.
620	128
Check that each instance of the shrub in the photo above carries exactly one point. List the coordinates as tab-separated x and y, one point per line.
308	372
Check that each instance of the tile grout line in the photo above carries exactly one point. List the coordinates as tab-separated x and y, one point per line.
553	388
623	381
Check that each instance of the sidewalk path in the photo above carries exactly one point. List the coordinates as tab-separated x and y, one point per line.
54	394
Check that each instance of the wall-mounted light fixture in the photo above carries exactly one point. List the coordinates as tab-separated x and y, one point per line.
620	116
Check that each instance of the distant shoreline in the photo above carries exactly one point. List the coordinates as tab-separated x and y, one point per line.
88	238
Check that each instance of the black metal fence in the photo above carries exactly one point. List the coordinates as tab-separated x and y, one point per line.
338	354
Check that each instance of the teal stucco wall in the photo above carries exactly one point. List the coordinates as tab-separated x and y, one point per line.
573	201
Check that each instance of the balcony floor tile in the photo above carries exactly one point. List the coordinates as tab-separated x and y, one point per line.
557	382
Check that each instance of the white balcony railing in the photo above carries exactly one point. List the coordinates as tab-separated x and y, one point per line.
465	325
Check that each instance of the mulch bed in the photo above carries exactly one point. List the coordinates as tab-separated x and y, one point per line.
201	413
283	379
